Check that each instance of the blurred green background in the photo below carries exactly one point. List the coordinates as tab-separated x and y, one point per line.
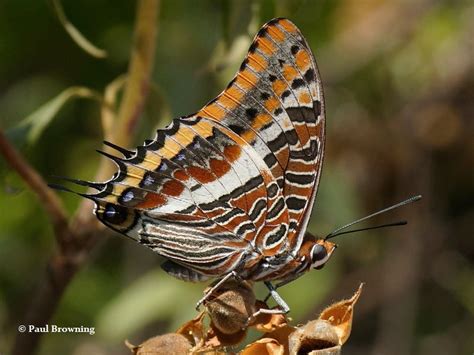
399	86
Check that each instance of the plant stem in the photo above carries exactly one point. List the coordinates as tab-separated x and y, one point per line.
50	201
78	239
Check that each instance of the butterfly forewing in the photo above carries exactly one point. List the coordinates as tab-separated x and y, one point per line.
275	102
237	180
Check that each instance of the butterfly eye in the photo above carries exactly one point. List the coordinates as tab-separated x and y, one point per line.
318	255
115	214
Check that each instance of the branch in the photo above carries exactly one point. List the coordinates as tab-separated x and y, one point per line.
84	229
47	197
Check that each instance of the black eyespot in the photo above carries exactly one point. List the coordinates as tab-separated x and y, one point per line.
319	253
115	214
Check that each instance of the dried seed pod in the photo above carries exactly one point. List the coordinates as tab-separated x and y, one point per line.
265	322
314	336
229	310
217	340
264	346
340	315
194	330
231	307
171	343
329	332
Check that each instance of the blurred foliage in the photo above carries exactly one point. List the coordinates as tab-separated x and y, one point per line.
399	87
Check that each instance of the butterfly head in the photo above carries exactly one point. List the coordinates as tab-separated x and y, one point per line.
320	253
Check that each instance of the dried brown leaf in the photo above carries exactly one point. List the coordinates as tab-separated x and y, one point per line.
315	335
282	335
194	329
267	322
264	346
216	339
340	315
229	309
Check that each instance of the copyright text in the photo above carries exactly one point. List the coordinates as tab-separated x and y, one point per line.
53	328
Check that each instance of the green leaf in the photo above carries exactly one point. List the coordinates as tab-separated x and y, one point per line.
31	127
77	36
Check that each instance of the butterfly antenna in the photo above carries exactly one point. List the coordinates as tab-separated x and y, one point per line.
400	204
394	224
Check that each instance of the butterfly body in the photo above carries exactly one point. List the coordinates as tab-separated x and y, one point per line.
230	189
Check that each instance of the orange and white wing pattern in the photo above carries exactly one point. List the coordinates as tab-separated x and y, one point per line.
275	103
221	189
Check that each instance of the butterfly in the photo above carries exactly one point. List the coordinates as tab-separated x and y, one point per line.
228	191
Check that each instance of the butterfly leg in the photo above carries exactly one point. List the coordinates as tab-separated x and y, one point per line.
275	287
216	287
283	306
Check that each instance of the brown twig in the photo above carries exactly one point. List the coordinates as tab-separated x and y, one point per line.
79	238
50	201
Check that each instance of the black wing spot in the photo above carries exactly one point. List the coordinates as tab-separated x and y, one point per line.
259	206
263	31
244	228
309	75
115	214
244	64
276	144
301	114
274	238
303	179
270	160
317	107
295	203
236	129
272	190
294	49
297	83
253	47
277	207
274	21
251	113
